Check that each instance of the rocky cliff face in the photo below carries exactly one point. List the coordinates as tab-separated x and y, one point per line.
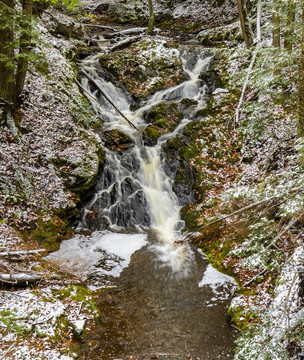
54	156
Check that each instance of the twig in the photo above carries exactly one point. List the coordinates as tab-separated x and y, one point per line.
80	306
7	351
287	308
43	321
5	266
107	98
255	277
229	215
291	223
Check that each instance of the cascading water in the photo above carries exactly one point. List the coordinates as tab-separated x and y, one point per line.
134	190
159	303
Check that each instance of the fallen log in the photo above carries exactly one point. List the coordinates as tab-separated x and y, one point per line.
132	31
124	42
103	27
106	97
21	253
20	279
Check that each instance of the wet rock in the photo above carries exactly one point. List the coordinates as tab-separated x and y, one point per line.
117	141
209	77
127	211
164	118
178	168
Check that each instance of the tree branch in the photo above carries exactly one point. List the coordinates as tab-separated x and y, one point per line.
106	97
227	216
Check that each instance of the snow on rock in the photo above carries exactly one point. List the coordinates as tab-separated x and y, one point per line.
222	285
98	255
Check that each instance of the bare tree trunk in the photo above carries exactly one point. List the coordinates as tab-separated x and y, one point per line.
290	22
276	32
24	47
246	31
301	84
6	56
258	21
151	18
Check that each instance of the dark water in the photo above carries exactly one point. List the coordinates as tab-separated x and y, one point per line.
154	313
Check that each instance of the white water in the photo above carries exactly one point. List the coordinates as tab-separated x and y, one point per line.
149	179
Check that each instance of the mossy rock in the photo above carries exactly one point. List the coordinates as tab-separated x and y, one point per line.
153	133
188	102
145	67
189	152
51	232
117	141
163	118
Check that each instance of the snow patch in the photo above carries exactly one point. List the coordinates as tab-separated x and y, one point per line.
221	285
98	255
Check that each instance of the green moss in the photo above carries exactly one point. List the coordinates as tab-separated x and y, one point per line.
189	102
174	143
189	152
161	123
240	317
62	324
10	320
49	233
153	133
190	217
81	295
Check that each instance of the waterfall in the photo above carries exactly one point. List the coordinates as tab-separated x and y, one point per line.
134	193
162	299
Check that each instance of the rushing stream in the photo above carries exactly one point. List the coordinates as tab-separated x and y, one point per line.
163	300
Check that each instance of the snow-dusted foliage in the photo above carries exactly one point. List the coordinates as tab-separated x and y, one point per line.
279	320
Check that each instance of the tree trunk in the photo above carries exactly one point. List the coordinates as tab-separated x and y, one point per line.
301	84
276	32
24	46
246	31
290	22
151	18
6	55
